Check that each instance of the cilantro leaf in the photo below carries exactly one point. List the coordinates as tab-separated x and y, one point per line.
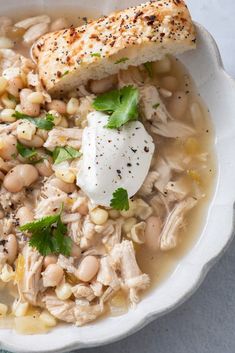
122	60
61	154
149	68
28	153
65	73
41	123
49	235
120	200
155	106
98	55
121	104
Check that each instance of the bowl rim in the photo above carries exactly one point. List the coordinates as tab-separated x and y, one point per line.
200	272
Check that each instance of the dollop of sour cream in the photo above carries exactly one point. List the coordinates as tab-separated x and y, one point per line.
113	158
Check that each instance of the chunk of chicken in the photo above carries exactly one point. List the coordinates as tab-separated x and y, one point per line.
85	312
68	264
61	309
107	275
132	76
64	137
83	291
29	285
8	59
152	107
50	202
172	129
123	256
169	235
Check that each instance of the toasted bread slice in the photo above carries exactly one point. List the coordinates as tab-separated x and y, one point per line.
68	58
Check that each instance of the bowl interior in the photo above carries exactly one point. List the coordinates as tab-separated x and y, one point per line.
218	92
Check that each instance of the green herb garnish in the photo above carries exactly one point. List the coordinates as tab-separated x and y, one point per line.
149	68
120	200
96	54
28	153
155	106
41	123
49	235
122	60
61	154
121	104
65	73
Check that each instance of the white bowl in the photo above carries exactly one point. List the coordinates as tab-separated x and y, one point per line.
218	91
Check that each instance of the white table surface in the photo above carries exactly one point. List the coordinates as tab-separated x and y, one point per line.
206	322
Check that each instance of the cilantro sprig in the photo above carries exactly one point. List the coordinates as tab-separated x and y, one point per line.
61	154
149	68
28	153
120	104
121	60
49	235
41	123
120	200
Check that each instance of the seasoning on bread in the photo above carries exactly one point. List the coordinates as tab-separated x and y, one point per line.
68	58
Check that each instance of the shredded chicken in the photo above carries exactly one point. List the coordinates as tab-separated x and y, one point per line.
169	235
61	309
29	285
64	137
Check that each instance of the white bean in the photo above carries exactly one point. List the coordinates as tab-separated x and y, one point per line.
20	176
7	102
35	142
88	268
52	275
99	216
178	104
57	105
8	147
27	107
24	215
15	85
103	85
44	168
49	260
12	248
75	251
36	97
62	185
152	233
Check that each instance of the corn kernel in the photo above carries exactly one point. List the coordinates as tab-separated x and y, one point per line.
47	319
99	216
7	273
64	291
20	309
194	175
6	115
72	106
65	175
35	98
128	224
129	213
114	214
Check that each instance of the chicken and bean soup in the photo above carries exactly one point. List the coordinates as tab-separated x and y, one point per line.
69	251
